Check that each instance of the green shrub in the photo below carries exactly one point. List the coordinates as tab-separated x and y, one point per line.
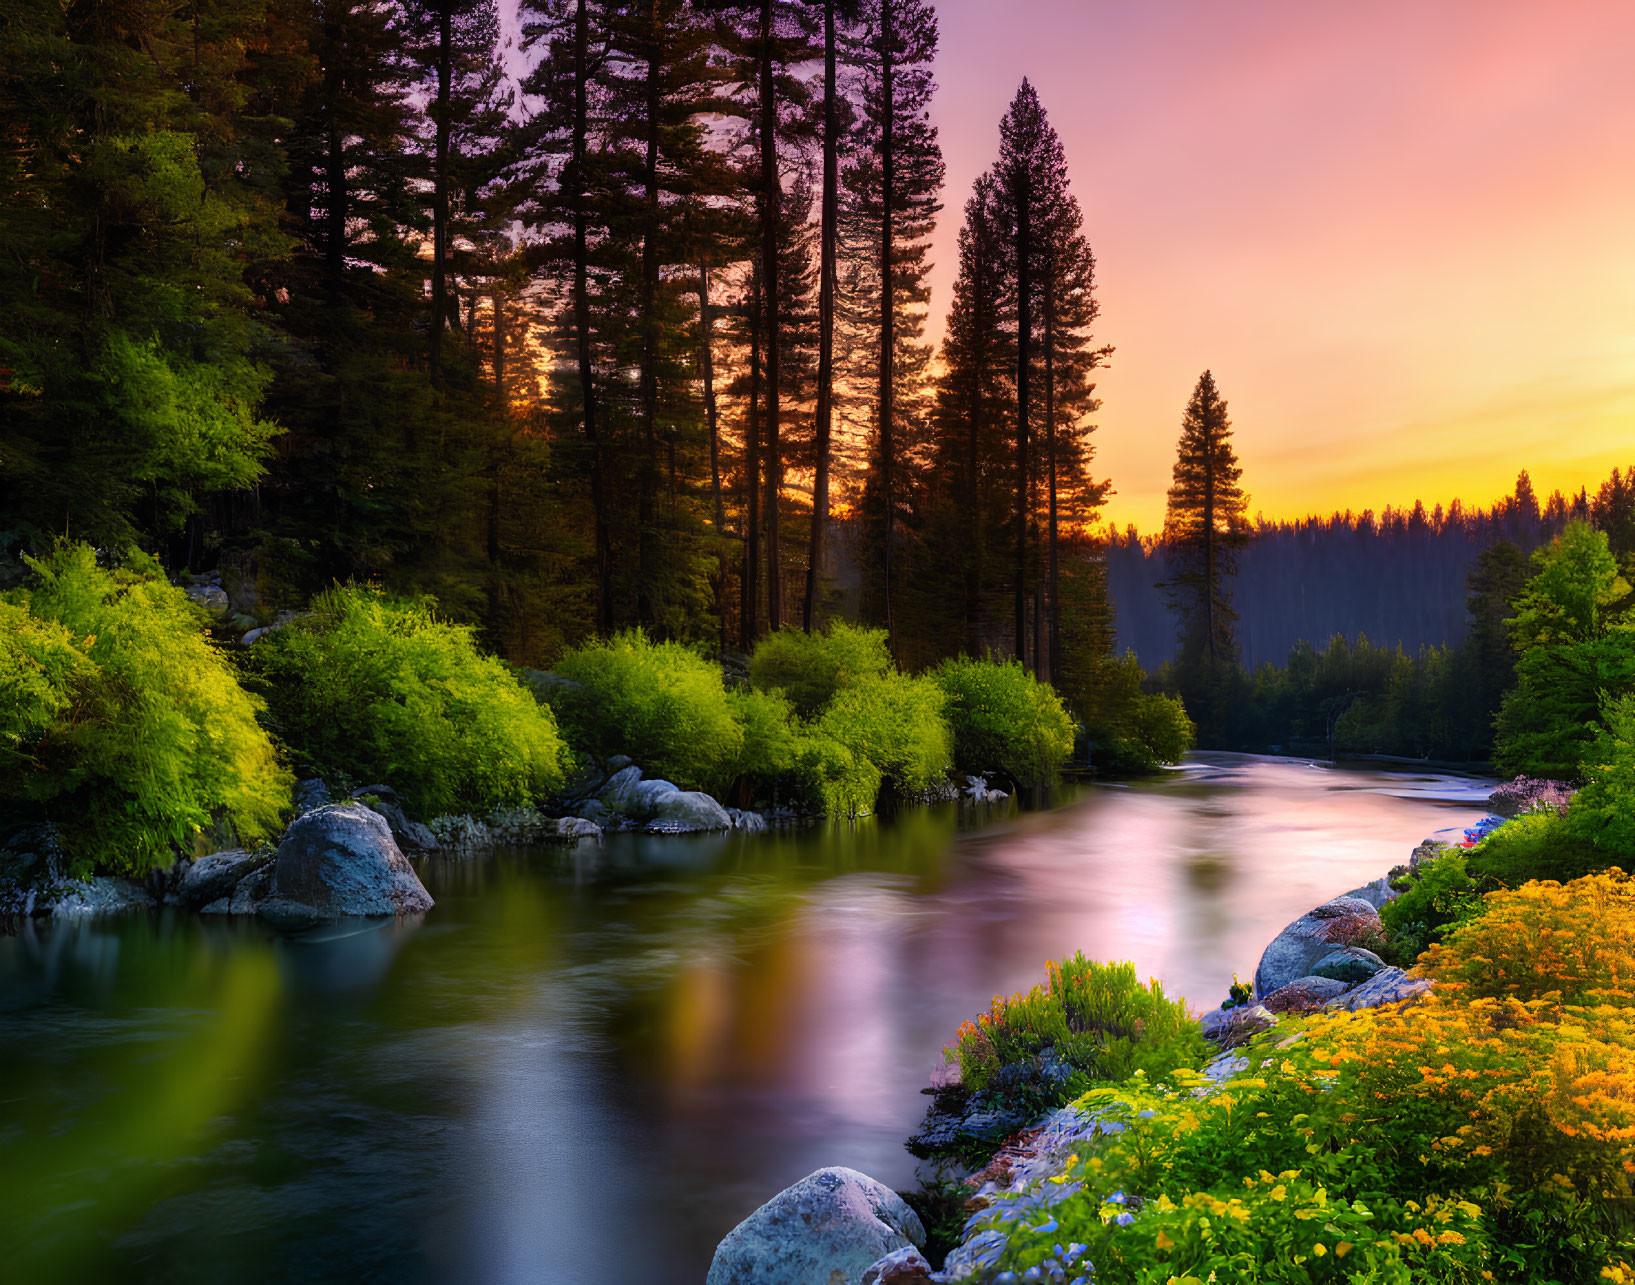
661	703
1441	895
895	723
122	723
1540	845
1004	719
769	746
1126	728
832	778
371	688
1098	1018
810	668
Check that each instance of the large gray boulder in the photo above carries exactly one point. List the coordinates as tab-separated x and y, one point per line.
1341	922
211	878
619	792
340	861
828	1229
688	812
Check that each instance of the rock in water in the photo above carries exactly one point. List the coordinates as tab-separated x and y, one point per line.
1341	922
411	836
338	861
687	812
103	896
213	877
828	1229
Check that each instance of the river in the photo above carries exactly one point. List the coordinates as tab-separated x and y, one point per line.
588	1065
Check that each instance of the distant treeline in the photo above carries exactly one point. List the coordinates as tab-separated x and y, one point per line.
1396	578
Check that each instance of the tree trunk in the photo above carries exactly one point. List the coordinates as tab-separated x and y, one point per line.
499	346
771	199
706	370
1024	362
648	571
440	201
1052	651
750	606
888	331
826	322
581	323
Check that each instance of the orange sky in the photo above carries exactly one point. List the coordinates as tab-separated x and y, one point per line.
1402	234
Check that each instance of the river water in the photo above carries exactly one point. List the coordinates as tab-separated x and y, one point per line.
586	1066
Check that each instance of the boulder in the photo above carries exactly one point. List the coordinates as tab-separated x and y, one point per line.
748	822
1428	850
1350	964
103	896
340	861
573	829
461	833
309	794
1305	994
1341	922
1232	1028
593	811
1376	894
619	791
828	1229
214	877
213	598
252	890
1388	986
687	812
411	836
901	1267
646	798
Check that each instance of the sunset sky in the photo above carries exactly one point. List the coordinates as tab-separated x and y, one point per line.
1402	235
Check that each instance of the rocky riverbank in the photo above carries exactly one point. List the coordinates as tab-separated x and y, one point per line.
836	1226
369	837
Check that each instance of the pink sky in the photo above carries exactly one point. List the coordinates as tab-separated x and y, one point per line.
1401	234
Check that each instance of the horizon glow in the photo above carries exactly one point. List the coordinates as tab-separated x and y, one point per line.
1400	234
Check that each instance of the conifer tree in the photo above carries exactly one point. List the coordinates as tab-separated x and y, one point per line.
1204	526
894	186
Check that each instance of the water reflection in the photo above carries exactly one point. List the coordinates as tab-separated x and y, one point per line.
588	1063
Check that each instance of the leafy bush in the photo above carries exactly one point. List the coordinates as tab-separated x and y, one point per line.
1128	729
1540	845
1485	1131
1441	894
661	703
893	722
1097	1018
1004	719
371	688
770	741
122	723
810	668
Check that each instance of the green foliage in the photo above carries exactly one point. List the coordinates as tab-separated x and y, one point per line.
370	688
1004	719
1539	845
810	668
1097	1018
1575	581
128	729
1128	728
770	745
894	723
661	703
1441	894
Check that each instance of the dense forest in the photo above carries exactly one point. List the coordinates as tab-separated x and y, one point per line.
618	322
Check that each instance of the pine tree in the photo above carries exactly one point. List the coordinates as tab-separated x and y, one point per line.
894	185
1204	526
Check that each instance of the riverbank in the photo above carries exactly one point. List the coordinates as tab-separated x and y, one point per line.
1318	962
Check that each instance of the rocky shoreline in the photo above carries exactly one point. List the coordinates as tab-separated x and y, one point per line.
835	1226
372	838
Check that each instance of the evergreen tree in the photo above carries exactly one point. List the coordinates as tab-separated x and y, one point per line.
1204	526
893	186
